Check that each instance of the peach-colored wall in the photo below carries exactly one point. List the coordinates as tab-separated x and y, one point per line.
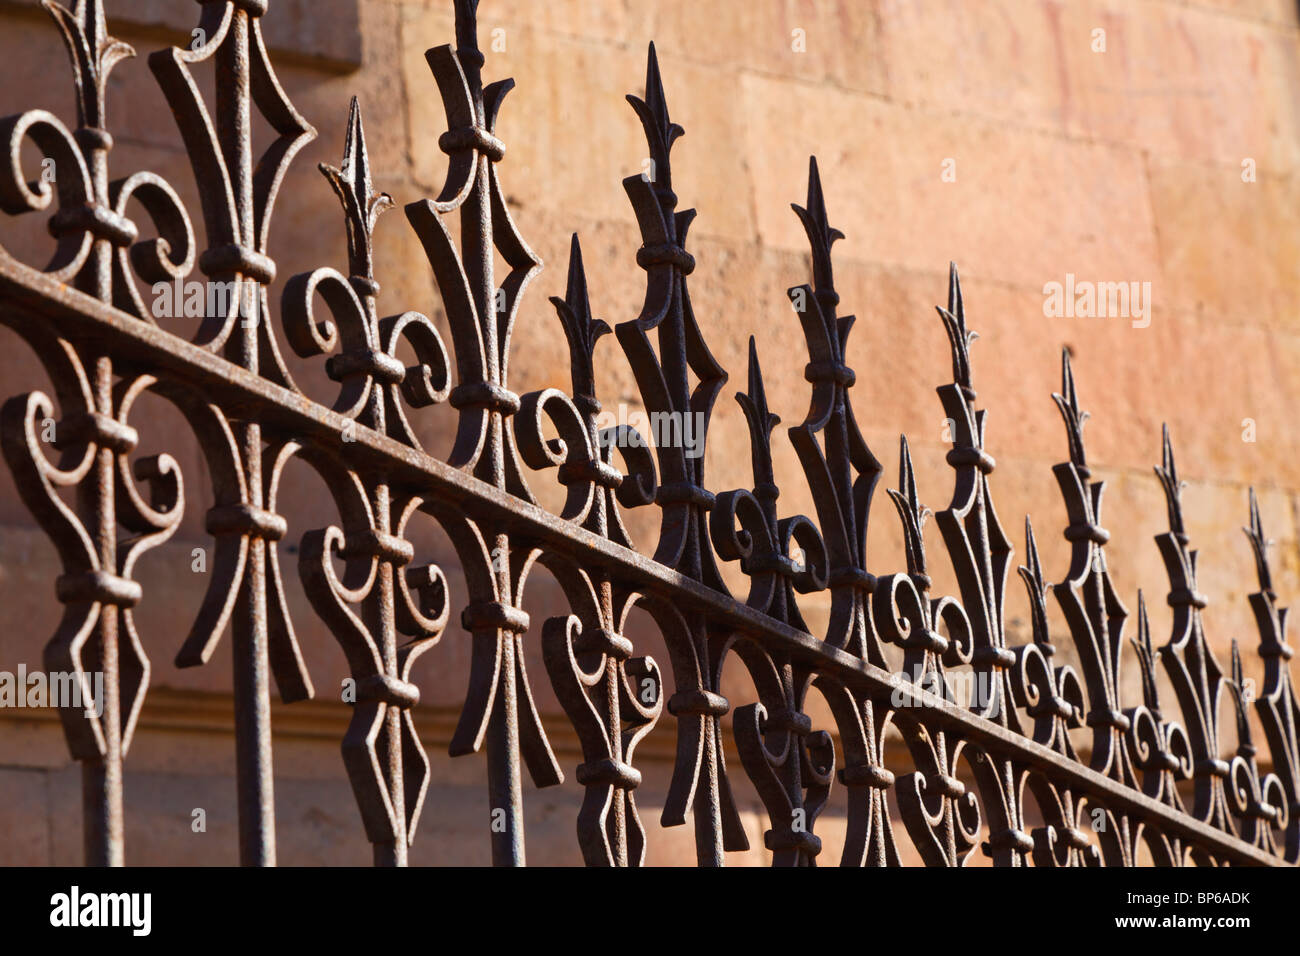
1123	165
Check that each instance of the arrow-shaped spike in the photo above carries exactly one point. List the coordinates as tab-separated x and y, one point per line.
1146	657
1167	472
1259	545
954	321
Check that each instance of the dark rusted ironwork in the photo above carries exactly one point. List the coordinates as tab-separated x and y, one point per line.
973	762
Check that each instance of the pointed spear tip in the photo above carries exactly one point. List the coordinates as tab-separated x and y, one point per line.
755	373
906	478
954	296
355	133
816	204
655	97
1031	552
576	292
814	176
652	78
1256	529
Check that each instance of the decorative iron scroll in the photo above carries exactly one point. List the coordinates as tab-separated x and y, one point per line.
1152	782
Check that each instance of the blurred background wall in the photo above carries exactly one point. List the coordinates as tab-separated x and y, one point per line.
1147	141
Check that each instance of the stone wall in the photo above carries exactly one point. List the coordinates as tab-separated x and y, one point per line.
1010	136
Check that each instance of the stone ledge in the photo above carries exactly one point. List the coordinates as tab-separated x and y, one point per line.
319	34
186	711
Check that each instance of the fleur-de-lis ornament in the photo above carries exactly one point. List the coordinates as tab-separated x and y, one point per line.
376	387
979	548
1276	704
941	813
869	836
744	525
980	552
842	473
840	468
1160	747
1257	802
92	434
381	750
238	186
1087	595
1160	752
903	611
1192	669
584	451
791	765
1052	696
1096	617
499	713
612	698
663	377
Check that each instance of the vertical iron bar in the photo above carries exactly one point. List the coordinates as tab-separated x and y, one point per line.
707	814
505	783
102	779
394	853
250	641
103	821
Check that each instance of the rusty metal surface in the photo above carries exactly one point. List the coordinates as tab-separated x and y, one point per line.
971	765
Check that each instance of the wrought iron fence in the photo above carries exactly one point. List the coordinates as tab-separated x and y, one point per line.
86	318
